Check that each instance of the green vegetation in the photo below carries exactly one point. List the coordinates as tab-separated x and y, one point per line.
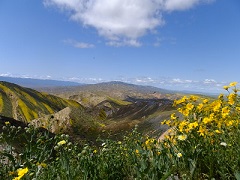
119	102
204	143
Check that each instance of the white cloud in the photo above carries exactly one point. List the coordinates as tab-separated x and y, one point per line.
77	44
176	5
121	22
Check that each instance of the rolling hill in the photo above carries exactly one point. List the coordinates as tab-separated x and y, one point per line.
27	104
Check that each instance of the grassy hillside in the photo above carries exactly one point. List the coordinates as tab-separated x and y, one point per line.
27	104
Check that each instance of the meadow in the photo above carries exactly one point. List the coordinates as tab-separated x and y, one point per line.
203	142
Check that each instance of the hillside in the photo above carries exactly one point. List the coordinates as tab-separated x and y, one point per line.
27	104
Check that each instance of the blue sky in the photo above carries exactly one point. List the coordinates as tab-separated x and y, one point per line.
173	44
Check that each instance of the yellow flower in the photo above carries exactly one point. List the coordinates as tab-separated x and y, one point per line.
193	98
205	101
216	105
185	112
182	125
233	84
7	123
225	111
182	137
21	172
226	87
192	125
147	142
95	151
173	116
231	98
229	123
217	131
220	96
202	131
206	120
61	142
41	164
179	155
176	102
189	106
200	106
137	151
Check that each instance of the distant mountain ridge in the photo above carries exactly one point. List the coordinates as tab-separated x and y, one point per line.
38	83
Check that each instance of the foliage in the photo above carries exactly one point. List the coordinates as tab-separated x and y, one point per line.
203	143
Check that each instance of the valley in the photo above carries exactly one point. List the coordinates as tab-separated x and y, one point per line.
85	112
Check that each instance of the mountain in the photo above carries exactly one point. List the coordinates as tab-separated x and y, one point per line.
92	94
27	104
85	112
38	83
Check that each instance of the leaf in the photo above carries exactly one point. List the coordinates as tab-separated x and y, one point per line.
237	175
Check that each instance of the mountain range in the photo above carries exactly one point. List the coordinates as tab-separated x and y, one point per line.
86	111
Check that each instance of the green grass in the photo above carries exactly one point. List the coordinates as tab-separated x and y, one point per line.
118	101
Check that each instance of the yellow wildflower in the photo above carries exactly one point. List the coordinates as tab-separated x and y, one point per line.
216	105
226	87
200	106
205	101
21	172
173	116
182	125
189	106
192	125
231	98
182	100
202	131
137	151
193	98
41	164
182	137
7	123
225	111
217	131
229	123
147	142
95	151
185	112
167	122
233	84
220	96
61	142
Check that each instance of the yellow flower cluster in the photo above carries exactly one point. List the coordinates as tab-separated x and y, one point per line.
205	116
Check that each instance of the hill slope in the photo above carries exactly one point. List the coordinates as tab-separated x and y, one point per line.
27	104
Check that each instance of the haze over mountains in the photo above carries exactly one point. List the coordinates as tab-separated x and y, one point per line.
37	83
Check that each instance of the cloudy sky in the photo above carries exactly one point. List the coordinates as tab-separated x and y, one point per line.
173	44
